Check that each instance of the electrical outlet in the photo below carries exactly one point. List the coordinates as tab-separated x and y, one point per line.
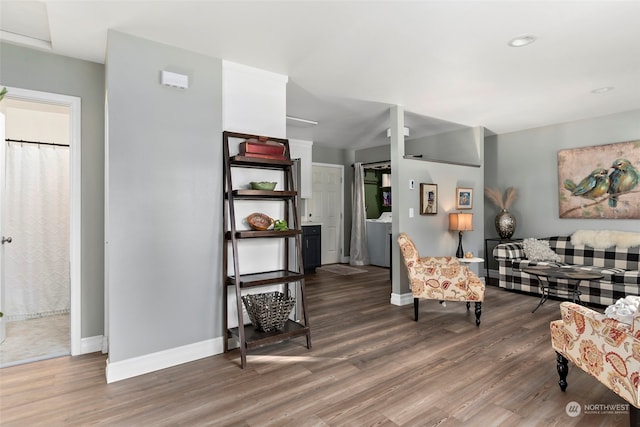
410	212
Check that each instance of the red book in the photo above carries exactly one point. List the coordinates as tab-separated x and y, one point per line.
261	147
265	156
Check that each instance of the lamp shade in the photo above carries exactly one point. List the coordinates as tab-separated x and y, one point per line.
460	221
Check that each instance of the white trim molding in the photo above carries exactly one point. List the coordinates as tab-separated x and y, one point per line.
401	299
118	371
27	41
91	344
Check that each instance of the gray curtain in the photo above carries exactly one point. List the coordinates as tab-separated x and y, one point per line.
359	254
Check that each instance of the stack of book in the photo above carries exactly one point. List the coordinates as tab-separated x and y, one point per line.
263	148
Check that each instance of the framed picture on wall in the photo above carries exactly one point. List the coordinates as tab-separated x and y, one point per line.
464	198
428	199
386	198
600	182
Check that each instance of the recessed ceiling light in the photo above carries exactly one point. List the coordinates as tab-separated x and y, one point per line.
522	40
603	89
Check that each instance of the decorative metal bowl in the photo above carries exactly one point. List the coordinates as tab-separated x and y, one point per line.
259	221
263	185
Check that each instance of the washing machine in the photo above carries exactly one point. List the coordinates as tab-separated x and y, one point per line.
378	238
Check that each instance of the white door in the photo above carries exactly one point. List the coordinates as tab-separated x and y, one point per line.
326	207
3	146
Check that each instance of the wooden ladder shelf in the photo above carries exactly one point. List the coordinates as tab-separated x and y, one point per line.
290	272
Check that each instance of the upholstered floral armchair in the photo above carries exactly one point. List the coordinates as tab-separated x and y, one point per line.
602	347
440	278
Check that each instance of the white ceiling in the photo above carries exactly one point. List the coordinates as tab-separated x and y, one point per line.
446	62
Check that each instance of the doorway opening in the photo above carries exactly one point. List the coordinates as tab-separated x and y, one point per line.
40	212
327	208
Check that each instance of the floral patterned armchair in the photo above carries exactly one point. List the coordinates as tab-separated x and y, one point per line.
440	278
602	347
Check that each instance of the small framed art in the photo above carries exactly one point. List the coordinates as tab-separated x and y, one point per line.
464	198
386	198
428	199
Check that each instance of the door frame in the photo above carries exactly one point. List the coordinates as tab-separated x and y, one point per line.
342	257
75	209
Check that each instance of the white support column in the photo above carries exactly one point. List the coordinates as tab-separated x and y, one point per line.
399	283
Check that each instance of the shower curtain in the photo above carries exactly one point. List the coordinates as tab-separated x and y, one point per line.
359	254
37	218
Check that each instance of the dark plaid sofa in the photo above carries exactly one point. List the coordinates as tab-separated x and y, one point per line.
618	266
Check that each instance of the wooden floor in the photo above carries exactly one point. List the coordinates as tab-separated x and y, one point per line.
371	364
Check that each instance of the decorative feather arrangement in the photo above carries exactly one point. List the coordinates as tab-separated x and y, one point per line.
493	194
510	196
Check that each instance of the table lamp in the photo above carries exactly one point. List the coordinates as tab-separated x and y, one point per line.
460	222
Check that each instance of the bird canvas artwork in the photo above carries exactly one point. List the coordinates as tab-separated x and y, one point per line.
600	182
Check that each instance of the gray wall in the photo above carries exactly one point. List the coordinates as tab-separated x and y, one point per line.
431	233
35	70
527	160
447	147
164	231
381	153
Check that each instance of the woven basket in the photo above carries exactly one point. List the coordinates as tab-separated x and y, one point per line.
269	311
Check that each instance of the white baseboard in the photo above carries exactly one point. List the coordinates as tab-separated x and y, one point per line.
117	371
91	344
401	299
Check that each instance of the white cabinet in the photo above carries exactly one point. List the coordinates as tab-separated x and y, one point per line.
301	149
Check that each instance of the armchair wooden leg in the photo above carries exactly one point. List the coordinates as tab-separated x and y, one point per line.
415	309
562	365
478	312
468	305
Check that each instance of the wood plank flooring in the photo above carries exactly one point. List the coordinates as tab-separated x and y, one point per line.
370	364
